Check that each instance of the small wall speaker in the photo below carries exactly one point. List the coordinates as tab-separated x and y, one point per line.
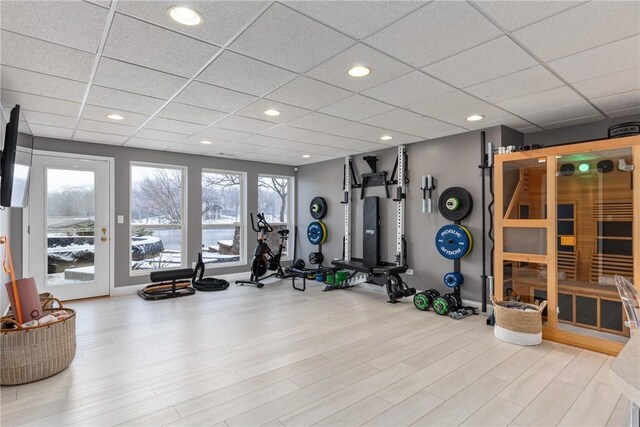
605	166
567	169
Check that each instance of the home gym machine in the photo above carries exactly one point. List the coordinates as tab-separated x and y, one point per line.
370	268
264	259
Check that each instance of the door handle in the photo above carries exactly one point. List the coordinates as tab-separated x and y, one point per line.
104	237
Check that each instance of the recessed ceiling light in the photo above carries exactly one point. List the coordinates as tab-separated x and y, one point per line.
185	15
386	137
359	71
205	142
306	156
272	112
115	117
475	117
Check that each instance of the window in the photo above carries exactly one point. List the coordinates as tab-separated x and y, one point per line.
157	217
275	195
222	214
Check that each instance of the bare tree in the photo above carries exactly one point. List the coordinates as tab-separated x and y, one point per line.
220	192
160	194
279	186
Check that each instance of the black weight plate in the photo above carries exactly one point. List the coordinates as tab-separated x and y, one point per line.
318	207
316	258
455	203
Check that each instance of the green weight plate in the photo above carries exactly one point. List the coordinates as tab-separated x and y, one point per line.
420	301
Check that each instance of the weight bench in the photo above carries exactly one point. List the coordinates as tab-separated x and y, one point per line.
385	274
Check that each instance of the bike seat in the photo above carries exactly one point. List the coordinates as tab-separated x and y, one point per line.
283	232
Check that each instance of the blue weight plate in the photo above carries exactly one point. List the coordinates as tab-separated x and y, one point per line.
453	279
315	233
452	242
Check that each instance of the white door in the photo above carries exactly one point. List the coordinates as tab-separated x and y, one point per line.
69	219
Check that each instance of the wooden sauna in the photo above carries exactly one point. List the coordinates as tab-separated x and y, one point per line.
567	221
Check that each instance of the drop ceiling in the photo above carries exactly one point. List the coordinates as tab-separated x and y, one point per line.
529	65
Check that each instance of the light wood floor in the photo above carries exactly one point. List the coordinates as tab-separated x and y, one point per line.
275	356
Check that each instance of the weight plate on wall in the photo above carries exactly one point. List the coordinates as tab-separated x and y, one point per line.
316	258
318	207
453	279
452	241
455	203
325	234
316	233
466	230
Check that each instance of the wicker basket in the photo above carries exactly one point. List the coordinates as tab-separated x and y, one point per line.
518	326
31	354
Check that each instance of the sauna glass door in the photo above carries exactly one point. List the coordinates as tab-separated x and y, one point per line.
594	206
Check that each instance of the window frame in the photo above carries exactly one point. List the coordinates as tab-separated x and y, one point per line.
242	215
183	205
291	219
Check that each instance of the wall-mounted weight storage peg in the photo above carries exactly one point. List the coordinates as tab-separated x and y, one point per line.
424	300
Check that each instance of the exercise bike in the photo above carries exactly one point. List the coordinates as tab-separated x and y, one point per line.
264	259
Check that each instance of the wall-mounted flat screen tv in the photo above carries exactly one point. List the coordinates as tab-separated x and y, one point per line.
15	165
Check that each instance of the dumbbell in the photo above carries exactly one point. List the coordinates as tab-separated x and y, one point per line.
424	300
446	303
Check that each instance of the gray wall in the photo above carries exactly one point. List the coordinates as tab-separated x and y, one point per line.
583	132
123	156
452	160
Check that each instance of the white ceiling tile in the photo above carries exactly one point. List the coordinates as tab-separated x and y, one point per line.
75	24
318	122
213	97
287	112
434	32
505	119
610	84
447	104
607	59
222	19
287	132
357	19
529	129
622	101
38	118
120	100
189	113
161	135
542	100
290	40
41	84
244	124
144	44
360	131
516	14
108	128
47	58
189	149
573	122
491	114
51	132
532	80
493	59
430	128
383	68
238	72
23	127
625	112
102	138
229	147
356	107
214	133
395	119
326	140
561	113
308	93
583	27
131	78
149	144
408	89
40	103
398	138
102	3
93	112
176	126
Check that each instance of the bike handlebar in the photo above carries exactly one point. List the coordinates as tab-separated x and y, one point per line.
262	223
